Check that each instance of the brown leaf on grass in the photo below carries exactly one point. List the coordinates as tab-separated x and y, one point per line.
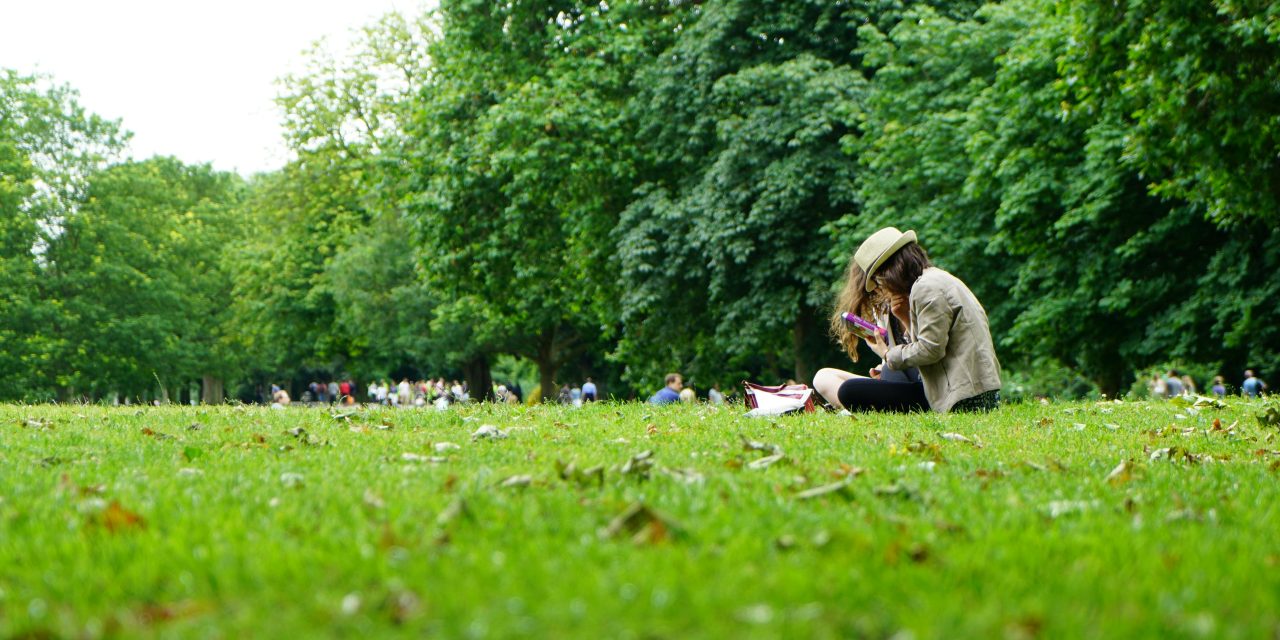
917	553
847	470
687	475
1177	454
1121	474
840	488
68	486
638	465
116	518
259	438
766	462
518	481
1025	628
388	539
488	432
569	472
401	605
417	457
957	437
752	445
457	508
895	490
917	447
153	613
1269	416
642	525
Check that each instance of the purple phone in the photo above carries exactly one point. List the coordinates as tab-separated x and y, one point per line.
864	328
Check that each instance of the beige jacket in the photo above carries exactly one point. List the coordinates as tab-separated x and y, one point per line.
951	342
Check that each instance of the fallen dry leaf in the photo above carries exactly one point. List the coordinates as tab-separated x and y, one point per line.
641	524
489	432
1121	474
835	488
116	518
415	457
638	465
765	462
516	481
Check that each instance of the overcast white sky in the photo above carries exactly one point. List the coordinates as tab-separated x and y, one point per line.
190	79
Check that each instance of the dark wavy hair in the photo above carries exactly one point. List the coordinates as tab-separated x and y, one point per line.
902	269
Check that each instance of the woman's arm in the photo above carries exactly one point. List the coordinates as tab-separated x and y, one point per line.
933	316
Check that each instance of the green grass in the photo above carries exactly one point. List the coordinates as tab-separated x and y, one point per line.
217	522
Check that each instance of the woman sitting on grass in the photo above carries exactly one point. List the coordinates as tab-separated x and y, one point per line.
946	337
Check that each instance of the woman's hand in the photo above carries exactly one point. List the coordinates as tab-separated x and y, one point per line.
877	344
901	308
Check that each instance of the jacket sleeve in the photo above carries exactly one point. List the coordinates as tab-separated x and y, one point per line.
933	316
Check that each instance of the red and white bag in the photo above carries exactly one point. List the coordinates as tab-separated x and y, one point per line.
773	401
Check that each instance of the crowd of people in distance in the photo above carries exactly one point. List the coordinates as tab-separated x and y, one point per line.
1173	384
675	391
436	392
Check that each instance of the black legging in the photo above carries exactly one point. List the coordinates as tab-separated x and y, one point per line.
869	394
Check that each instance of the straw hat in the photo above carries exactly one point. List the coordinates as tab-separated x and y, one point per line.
876	249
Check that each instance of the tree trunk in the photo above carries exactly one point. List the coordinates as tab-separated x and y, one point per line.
211	390
479	378
799	345
547	367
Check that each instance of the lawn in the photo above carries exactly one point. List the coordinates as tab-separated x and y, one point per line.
630	521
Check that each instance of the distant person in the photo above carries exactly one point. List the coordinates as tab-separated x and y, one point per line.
1173	384
404	393
1219	387
280	398
1189	385
687	395
671	392
714	396
1158	387
565	396
1252	386
344	388
589	391
334	390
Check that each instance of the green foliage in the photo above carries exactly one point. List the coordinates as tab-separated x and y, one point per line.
1193	84
48	147
137	277
1034	200
624	189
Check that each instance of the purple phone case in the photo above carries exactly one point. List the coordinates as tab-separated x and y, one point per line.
865	326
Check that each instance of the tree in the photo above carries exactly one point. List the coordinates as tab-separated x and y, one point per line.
329	282
48	145
722	254
136	275
1030	190
522	167
1192	83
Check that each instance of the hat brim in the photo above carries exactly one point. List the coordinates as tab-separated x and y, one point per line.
902	241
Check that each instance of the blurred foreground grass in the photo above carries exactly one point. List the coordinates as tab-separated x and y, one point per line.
1107	520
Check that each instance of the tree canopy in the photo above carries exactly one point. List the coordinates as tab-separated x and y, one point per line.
623	189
